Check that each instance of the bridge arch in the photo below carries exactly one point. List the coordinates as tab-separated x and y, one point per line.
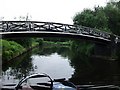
22	29
12	29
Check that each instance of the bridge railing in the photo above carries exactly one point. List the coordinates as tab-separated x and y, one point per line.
20	26
93	32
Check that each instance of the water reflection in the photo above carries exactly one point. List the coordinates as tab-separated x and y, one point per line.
40	60
54	65
63	62
17	68
95	71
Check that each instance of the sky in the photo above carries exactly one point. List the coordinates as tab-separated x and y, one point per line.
60	11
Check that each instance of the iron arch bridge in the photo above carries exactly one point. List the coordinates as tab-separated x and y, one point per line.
44	29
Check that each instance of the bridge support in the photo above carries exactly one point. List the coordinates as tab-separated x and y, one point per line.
113	46
111	50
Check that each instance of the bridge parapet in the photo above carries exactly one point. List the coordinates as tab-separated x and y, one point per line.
20	26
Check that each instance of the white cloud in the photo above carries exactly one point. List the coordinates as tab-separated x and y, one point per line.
46	10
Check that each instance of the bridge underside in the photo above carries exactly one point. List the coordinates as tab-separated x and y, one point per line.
54	34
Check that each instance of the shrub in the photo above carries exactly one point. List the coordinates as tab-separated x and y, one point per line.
10	49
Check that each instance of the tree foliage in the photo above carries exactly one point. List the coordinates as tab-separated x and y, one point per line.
104	18
112	11
82	48
25	42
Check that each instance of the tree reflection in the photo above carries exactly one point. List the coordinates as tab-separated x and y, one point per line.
81	62
46	51
88	70
20	67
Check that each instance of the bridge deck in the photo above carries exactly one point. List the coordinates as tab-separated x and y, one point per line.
35	28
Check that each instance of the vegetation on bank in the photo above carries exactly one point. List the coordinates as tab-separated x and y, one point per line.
14	47
52	43
82	48
10	49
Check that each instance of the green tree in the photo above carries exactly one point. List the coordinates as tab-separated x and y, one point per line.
103	18
112	11
100	19
85	18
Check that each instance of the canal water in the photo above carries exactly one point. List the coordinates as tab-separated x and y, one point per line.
62	62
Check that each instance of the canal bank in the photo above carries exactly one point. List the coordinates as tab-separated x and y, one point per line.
12	48
35	45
